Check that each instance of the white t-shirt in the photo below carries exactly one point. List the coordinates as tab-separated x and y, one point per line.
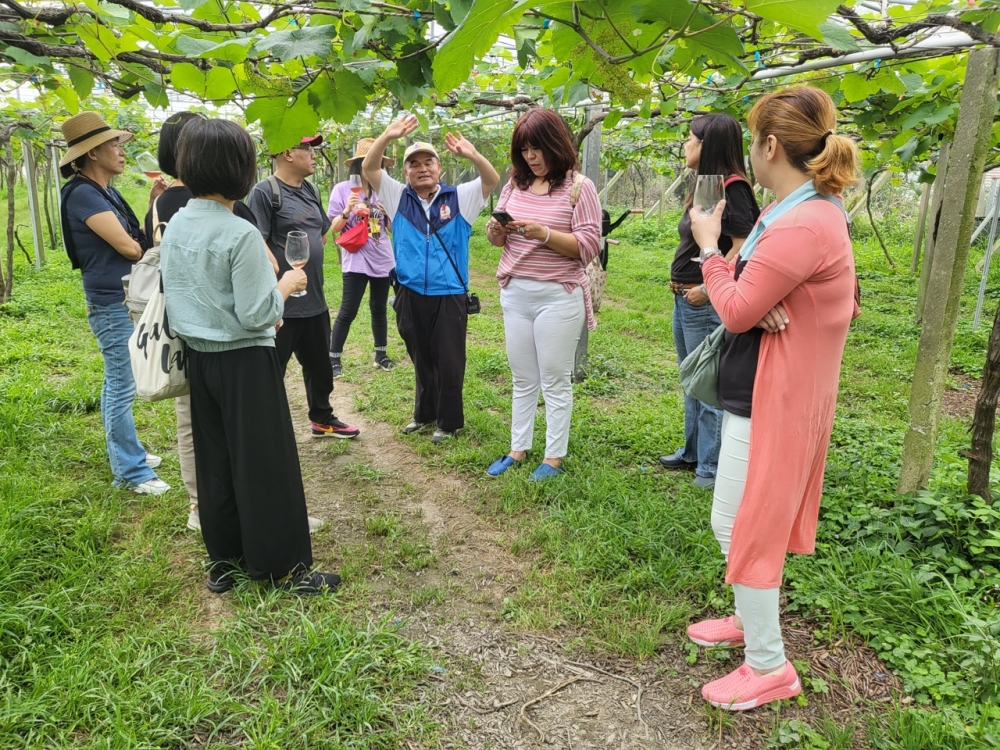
470	197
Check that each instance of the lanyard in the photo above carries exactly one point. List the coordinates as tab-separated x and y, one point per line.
790	201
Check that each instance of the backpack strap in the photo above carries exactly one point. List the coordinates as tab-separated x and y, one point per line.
735	178
314	189
158	226
575	188
272	180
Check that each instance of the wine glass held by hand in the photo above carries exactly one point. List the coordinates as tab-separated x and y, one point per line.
148	164
708	191
297	253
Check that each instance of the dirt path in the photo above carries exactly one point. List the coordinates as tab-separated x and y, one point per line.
494	688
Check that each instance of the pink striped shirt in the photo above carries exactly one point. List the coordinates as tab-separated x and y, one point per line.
529	259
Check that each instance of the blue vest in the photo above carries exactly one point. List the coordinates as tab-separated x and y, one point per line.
421	263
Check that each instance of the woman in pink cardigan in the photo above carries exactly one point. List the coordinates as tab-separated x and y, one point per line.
786	302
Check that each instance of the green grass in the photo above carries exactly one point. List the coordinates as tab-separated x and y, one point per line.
103	643
105	639
626	550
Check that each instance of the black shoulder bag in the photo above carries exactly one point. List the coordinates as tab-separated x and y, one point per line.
471	298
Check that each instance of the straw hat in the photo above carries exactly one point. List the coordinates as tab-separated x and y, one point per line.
361	150
83	132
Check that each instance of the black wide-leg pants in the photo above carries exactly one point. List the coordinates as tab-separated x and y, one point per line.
250	498
433	329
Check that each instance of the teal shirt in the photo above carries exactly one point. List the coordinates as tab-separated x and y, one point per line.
220	289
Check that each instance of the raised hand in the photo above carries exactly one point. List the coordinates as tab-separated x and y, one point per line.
401	127
457	144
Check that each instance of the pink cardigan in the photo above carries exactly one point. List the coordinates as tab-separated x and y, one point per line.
805	261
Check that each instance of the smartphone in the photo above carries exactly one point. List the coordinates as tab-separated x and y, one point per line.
503	217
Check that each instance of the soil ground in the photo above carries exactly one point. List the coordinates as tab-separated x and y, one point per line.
443	569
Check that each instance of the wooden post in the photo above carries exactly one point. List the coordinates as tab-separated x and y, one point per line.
592	169
918	239
937	201
56	188
34	209
603	196
663	198
951	232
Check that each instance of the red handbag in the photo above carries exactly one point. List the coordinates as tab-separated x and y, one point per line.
354	238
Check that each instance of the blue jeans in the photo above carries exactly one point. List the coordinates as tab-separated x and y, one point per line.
112	328
702	423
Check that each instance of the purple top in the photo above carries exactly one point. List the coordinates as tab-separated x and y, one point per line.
375	257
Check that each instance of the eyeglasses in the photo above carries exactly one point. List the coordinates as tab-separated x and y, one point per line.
310	149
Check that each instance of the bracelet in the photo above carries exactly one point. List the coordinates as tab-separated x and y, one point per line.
548	236
704	290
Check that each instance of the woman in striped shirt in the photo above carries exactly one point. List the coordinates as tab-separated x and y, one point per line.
553	232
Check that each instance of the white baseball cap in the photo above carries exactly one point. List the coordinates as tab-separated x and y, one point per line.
420	147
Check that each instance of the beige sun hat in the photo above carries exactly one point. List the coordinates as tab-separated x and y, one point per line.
361	150
83	132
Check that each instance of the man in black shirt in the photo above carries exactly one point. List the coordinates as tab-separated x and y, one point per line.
295	205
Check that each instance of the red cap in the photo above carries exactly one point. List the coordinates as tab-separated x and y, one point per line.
309	140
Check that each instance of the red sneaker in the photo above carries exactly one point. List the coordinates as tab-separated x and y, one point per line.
716	633
334	428
742	690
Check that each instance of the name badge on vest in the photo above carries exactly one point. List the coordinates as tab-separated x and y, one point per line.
445	212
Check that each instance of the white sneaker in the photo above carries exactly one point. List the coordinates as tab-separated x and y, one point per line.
154	486
194	522
153	462
315	524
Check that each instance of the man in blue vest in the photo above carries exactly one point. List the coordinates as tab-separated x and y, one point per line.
431	225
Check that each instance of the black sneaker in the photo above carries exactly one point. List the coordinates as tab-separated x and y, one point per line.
384	363
333	427
674	462
338	369
222	577
310	584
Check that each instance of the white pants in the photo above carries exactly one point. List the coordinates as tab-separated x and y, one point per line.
758	608
542	323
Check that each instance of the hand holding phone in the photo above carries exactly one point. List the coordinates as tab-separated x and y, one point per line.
502	217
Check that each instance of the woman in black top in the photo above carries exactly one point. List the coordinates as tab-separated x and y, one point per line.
103	239
714	146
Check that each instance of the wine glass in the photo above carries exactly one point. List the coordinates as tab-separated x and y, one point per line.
708	191
354	181
297	253
148	164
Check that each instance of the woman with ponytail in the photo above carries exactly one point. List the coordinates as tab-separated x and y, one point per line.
786	302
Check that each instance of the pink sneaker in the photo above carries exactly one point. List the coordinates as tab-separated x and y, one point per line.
742	690
716	633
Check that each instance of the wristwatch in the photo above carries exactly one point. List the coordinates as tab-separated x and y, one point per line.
343	214
708	252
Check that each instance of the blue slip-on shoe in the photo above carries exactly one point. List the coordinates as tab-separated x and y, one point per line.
499	466
545	471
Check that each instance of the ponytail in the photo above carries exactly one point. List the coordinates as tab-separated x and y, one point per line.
835	167
802	118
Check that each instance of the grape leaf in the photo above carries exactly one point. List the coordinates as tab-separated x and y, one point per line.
284	124
803	15
311	41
